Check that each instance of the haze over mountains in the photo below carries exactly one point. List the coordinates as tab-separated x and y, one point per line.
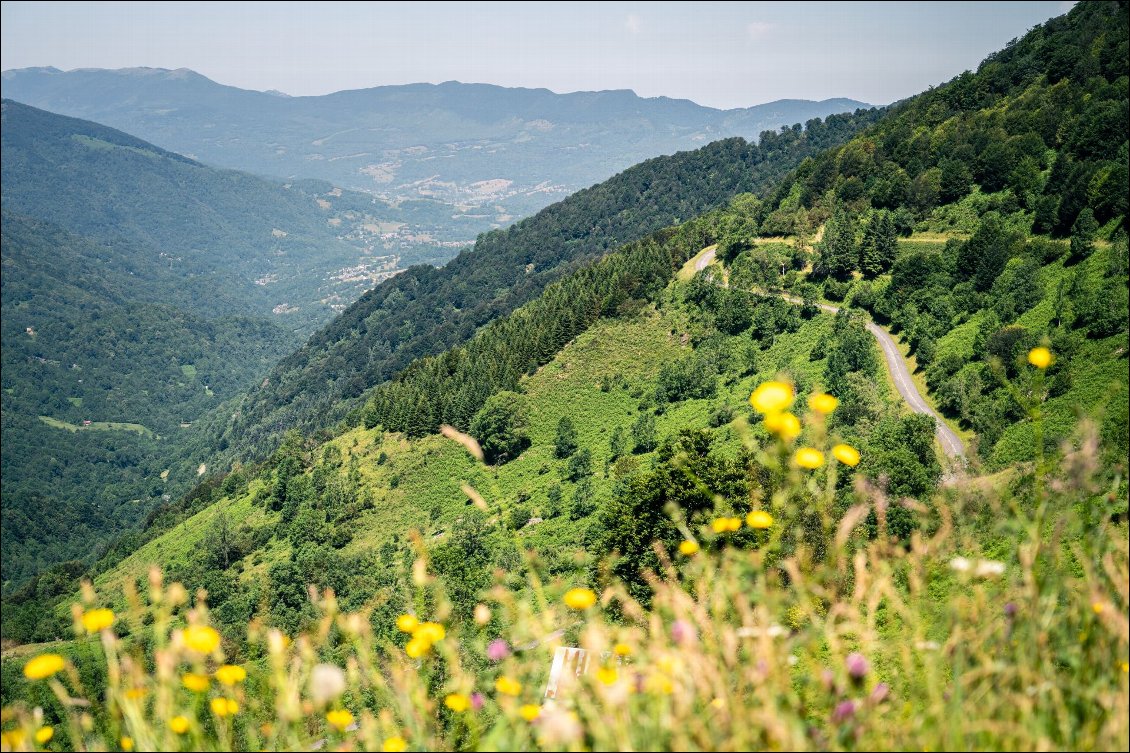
493	153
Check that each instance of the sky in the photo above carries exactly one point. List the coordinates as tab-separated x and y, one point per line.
717	54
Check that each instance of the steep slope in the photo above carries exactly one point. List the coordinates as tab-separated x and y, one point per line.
492	151
425	310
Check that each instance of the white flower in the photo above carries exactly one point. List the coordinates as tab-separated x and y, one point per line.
327	682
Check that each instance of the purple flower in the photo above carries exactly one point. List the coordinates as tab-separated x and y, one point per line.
1010	610
857	666
498	650
844	710
682	631
880	693
828	680
476	701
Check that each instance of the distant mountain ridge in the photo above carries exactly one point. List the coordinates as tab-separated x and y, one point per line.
489	150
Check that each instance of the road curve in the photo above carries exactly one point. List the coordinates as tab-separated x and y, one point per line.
706	259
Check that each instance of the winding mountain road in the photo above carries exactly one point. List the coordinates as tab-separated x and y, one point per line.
950	442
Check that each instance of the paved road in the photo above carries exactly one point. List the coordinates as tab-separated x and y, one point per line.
706	259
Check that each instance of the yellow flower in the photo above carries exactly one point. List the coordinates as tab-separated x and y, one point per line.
607	675
507	685
224	707
784	425
97	620
407	623
622	649
417	647
13	738
721	525
846	454
457	702
772	397
1125	666
43	735
42	667
194	682
136	694
822	402
395	744
759	519
178	724
339	719
201	639
734	524
432	632
687	548
1041	358
229	674
127	743
529	712
580	598
1096	607
807	457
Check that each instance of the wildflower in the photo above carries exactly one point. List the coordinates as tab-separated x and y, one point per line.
784	425
759	519
224	707
580	598
772	397
529	712
857	666
1010	610
127	743
230	674
394	744
1041	358
407	623
457	702
194	682
622	649
498	650
477	701
178	724
844	710
1125	666
432	632
607	675
1097	607
201	639
12	739
688	548
846	454
417	647
42	667
880	693
43	735
339	719
681	631
482	614
721	525
807	457
97	620
821	402
507	685
327	682
136	694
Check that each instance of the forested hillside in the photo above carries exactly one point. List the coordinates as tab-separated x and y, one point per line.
425	310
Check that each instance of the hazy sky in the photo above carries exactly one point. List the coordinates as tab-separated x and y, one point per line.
722	55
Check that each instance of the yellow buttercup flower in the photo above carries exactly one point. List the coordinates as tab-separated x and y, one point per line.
178	724
784	425
127	743
13	738
432	632
821	402
224	707
229	674
407	623
194	682
43	666
529	712
759	519
622	649
607	675
1041	358
339	719
97	620
394	744
580	598
772	397
43	735
417	647
846	454
807	457
507	685
201	639
457	702
687	548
